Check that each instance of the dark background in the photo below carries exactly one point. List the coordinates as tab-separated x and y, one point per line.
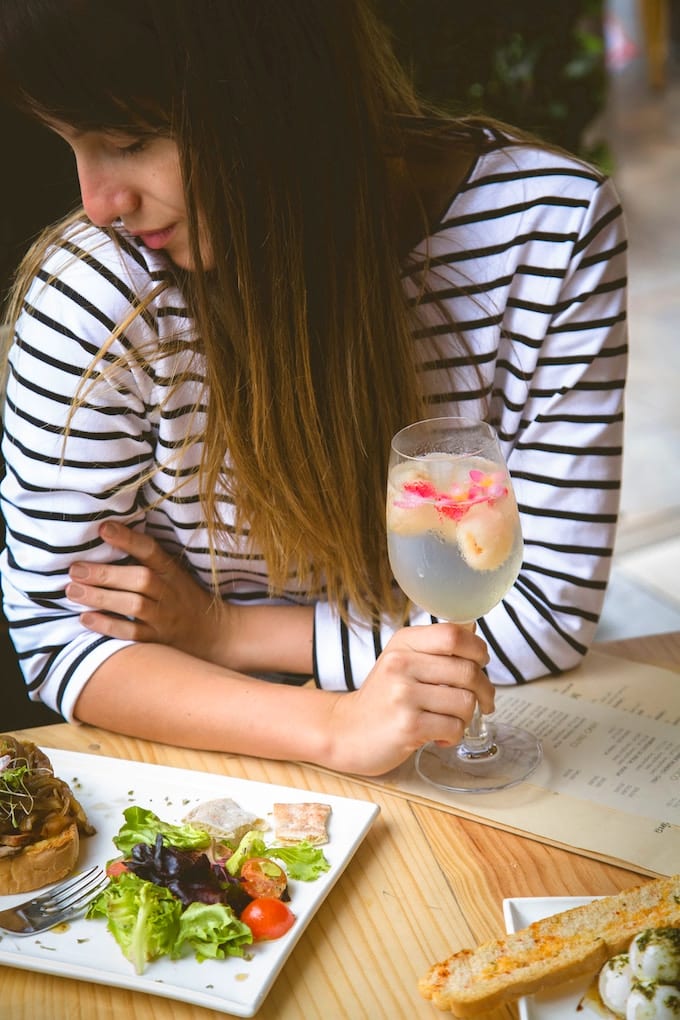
38	185
535	64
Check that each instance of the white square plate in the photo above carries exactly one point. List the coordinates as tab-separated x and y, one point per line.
559	1003
86	950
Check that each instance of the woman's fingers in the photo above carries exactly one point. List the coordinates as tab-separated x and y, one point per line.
138	545
148	598
446	639
436	701
441	655
131	590
424	686
116	577
120	597
121	627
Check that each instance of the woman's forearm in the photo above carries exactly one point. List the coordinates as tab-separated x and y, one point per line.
424	686
153	599
270	639
158	693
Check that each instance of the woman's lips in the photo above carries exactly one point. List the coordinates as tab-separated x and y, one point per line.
155	238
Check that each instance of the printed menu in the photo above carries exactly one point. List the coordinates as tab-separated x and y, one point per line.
609	782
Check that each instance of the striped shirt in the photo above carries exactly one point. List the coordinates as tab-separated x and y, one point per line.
530	263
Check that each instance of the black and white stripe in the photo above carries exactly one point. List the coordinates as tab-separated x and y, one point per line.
530	263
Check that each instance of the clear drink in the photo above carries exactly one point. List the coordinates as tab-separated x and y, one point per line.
453	534
455	547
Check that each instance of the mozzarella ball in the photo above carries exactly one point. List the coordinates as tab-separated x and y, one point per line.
651	1001
655	955
614	984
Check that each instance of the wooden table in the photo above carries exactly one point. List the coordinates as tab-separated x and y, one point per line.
423	884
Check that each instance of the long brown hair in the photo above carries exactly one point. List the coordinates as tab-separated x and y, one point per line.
291	119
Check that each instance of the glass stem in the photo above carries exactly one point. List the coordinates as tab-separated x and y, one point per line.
478	743
478	740
477	736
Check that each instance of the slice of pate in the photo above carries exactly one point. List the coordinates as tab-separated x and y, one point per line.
223	819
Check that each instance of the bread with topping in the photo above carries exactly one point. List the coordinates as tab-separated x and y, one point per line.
574	943
40	820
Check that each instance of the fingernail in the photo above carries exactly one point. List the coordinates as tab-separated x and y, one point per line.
107	528
75	591
77	570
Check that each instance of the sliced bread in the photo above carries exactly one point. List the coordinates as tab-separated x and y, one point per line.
570	944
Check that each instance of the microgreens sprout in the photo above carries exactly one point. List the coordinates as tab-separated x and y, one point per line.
16	799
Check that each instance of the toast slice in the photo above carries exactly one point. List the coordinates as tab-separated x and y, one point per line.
571	944
305	821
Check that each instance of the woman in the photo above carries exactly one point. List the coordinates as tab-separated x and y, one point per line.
280	261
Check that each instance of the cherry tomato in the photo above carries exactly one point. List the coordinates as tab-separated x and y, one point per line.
261	876
116	868
268	918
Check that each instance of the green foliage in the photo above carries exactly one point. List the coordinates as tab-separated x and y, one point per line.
538	64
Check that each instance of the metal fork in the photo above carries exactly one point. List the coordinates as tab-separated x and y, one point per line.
60	903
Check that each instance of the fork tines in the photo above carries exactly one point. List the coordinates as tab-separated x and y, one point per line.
68	895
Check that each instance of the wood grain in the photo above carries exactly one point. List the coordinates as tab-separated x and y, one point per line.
656	649
423	884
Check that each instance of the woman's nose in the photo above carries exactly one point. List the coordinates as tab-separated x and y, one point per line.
106	193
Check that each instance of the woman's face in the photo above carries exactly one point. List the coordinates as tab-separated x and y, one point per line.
137	181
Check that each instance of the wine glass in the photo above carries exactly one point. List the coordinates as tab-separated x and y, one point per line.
455	548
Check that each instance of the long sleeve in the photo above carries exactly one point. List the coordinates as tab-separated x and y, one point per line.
66	473
531	260
529	266
566	458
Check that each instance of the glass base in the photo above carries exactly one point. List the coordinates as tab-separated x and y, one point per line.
514	755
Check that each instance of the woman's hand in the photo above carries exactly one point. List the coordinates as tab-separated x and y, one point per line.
153	599
423	687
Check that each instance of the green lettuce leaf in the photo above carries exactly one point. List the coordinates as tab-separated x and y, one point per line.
251	845
142	826
143	918
302	861
213	931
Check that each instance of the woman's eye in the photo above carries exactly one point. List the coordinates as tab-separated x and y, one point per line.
133	148
125	144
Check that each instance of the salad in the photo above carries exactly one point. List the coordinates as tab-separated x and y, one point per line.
178	889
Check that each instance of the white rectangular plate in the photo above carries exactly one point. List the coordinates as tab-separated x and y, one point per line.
86	950
559	1003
